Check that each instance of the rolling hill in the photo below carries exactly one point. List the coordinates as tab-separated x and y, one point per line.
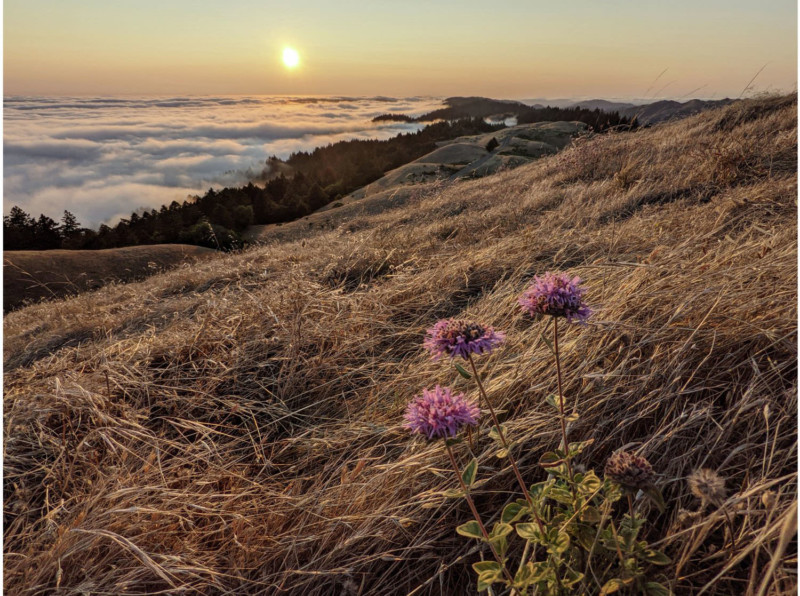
235	426
32	275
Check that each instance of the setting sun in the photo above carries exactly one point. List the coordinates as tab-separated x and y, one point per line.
290	57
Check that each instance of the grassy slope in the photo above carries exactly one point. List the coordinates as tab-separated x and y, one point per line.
236	425
30	275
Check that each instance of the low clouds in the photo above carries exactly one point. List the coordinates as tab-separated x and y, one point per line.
103	158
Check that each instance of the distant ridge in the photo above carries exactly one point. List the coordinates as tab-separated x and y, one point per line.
645	113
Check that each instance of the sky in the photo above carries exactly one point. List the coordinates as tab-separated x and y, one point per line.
509	49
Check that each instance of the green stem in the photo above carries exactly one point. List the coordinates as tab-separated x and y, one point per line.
475	513
505	445
561	399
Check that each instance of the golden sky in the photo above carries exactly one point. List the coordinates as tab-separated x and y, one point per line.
519	49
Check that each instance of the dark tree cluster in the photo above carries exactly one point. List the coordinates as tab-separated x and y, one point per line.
217	218
21	231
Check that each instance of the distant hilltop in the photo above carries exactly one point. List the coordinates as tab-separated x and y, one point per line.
524	111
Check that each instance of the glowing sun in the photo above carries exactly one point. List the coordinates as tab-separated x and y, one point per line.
290	57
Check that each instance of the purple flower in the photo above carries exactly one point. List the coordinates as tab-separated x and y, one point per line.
440	413
557	295
456	337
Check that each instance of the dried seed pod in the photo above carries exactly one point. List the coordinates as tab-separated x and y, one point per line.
708	486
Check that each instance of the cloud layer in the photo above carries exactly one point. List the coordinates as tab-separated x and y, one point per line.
106	157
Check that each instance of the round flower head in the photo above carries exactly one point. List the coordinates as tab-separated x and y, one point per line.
708	486
457	337
630	471
557	295
440	413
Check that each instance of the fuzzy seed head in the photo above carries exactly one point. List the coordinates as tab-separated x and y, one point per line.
439	413
708	486
632	472
557	295
457	337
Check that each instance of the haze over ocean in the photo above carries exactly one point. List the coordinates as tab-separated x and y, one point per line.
102	158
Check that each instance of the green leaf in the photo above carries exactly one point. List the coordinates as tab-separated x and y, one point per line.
611	586
487	578
529	532
560	544
471	529
656	557
590	515
512	512
453	441
461	371
500	544
585	536
656	589
550	460
575	449
652	493
560	495
501	529
524	577
494	434
483	566
469	473
552	399
482	585
590	483
540	489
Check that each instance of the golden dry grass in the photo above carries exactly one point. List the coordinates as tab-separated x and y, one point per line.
235	427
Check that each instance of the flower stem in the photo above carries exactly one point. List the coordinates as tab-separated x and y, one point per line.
475	513
505	444
561	398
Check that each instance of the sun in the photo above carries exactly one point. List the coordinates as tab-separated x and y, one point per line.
290	57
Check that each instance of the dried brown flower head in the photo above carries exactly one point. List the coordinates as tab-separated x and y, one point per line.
632	472
708	486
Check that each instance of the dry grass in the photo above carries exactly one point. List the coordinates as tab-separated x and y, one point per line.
234	427
33	275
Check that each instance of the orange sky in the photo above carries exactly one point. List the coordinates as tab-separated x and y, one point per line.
501	49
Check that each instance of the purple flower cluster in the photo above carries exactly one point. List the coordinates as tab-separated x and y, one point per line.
440	413
456	337
557	295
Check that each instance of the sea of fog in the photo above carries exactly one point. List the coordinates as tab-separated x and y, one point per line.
102	158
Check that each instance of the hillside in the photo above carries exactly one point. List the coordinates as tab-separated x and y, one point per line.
235	426
32	275
462	157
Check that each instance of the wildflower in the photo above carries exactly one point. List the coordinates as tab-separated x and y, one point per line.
630	471
708	486
440	413
457	337
557	295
